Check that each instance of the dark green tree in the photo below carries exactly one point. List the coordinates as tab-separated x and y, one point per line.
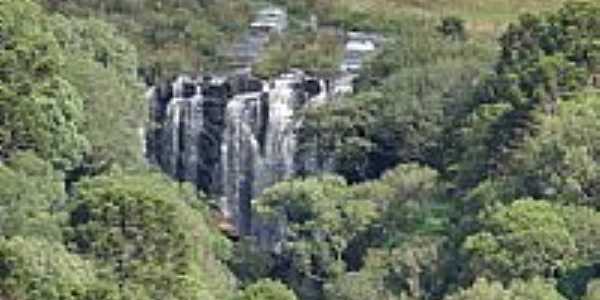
32	192
102	66
39	109
534	289
267	290
526	239
144	232
322	218
32	269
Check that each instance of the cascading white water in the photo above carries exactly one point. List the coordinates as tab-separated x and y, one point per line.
185	121
280	143
174	125
259	144
240	156
232	144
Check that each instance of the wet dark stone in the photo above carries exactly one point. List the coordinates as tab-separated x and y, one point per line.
312	87
264	122
243	83
189	89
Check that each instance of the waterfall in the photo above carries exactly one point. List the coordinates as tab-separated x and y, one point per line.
182	130
280	146
241	157
232	137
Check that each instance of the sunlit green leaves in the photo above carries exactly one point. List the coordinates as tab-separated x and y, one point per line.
32	269
39	109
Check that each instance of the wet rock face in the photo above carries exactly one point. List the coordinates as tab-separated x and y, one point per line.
230	136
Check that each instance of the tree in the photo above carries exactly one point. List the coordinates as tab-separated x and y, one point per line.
526	239
141	229
102	66
31	193
453	27
39	109
408	97
416	269
172	36
249	262
358	286
544	59
593	291
534	289
321	218
559	163
482	289
318	54
267	289
32	269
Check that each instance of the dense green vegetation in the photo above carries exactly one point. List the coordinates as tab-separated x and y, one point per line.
463	168
171	35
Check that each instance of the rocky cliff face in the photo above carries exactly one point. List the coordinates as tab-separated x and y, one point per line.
232	136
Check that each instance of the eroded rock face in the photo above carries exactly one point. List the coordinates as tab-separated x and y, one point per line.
230	136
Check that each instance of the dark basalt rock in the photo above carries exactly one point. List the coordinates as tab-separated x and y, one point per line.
312	86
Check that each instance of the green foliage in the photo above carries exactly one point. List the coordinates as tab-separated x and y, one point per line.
249	262
140	228
316	53
416	269
322	218
32	269
407	250
171	35
358	286
102	66
593	291
472	148
39	109
453	27
409	96
560	161
69	95
330	224
544	59
482	290
70	91
411	204
30	190
267	290
535	289
526	239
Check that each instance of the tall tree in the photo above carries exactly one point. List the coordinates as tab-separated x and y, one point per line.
143	230
39	109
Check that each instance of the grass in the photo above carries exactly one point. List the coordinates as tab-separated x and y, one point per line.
484	17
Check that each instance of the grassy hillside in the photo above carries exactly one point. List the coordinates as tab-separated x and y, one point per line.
482	15
485	17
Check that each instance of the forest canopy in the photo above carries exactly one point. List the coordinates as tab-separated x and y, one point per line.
464	166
